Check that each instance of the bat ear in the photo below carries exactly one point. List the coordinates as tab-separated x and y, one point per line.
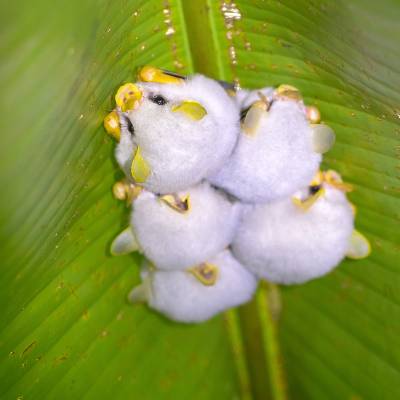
140	168
206	273
359	246
140	293
191	109
128	96
156	75
323	138
124	243
111	125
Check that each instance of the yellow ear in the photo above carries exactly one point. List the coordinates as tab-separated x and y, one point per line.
206	273
128	96
140	169
177	203
111	125
191	109
152	74
359	246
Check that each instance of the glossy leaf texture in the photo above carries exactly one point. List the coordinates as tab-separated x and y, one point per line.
66	330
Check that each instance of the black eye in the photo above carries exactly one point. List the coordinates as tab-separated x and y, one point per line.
130	127
314	189
158	99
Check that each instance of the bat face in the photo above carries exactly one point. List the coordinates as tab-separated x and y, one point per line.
190	296
174	135
191	226
326	189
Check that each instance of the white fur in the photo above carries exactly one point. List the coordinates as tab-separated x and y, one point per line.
182	297
172	240
180	151
283	244
276	161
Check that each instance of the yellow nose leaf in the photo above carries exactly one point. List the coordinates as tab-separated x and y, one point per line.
359	246
111	125
323	138
305	205
191	109
128	96
177	203
206	273
152	74
140	169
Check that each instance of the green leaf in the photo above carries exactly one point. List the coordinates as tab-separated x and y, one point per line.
66	330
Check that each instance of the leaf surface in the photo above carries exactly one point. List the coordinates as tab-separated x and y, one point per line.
66	330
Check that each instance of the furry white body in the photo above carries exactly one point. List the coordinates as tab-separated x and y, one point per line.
180	151
181	297
276	161
283	244
173	240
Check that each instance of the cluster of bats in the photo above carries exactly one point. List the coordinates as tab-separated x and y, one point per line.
225	188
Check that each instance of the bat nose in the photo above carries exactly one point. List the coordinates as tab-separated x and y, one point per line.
128	97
